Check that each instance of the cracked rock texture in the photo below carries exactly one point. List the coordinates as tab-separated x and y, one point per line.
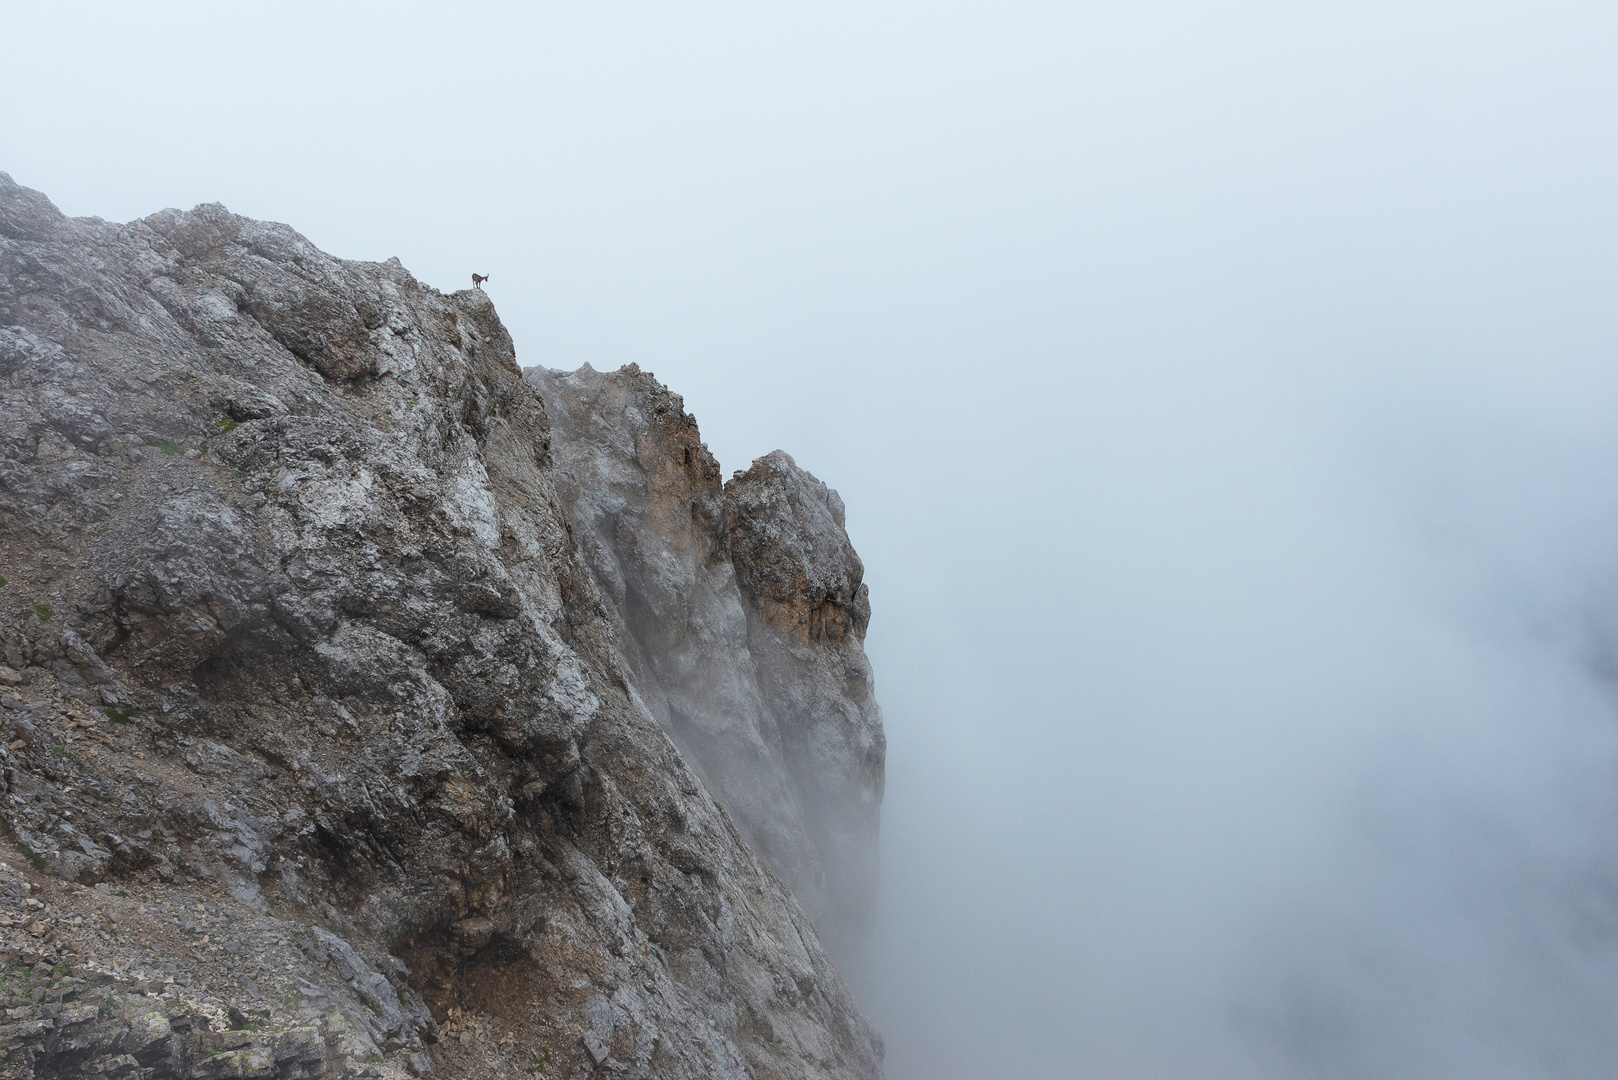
743	615
343	708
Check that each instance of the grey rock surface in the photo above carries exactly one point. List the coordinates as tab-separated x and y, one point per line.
315	718
807	611
743	613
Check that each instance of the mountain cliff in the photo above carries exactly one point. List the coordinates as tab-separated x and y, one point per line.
371	708
742	615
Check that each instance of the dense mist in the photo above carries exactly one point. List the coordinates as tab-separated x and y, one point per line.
1223	397
1291	756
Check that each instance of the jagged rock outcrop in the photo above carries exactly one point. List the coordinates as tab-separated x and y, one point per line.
314	712
743	615
807	611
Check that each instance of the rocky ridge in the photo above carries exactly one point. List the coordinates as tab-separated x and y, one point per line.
742	612
329	748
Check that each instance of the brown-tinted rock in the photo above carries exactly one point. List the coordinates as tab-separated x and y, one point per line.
743	613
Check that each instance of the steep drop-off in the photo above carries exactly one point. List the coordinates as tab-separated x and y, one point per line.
743	614
335	694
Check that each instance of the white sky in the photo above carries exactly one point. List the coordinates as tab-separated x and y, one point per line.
1223	396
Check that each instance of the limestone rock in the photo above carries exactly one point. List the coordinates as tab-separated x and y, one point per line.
647	507
321	712
807	612
743	615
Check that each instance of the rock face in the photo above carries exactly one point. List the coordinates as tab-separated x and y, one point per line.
807	610
326	719
743	615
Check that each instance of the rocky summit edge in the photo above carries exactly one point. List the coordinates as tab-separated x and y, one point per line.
352	728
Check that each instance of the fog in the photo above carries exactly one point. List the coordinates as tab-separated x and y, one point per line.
1223	397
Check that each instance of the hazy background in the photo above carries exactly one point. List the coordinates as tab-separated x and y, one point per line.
1223	396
